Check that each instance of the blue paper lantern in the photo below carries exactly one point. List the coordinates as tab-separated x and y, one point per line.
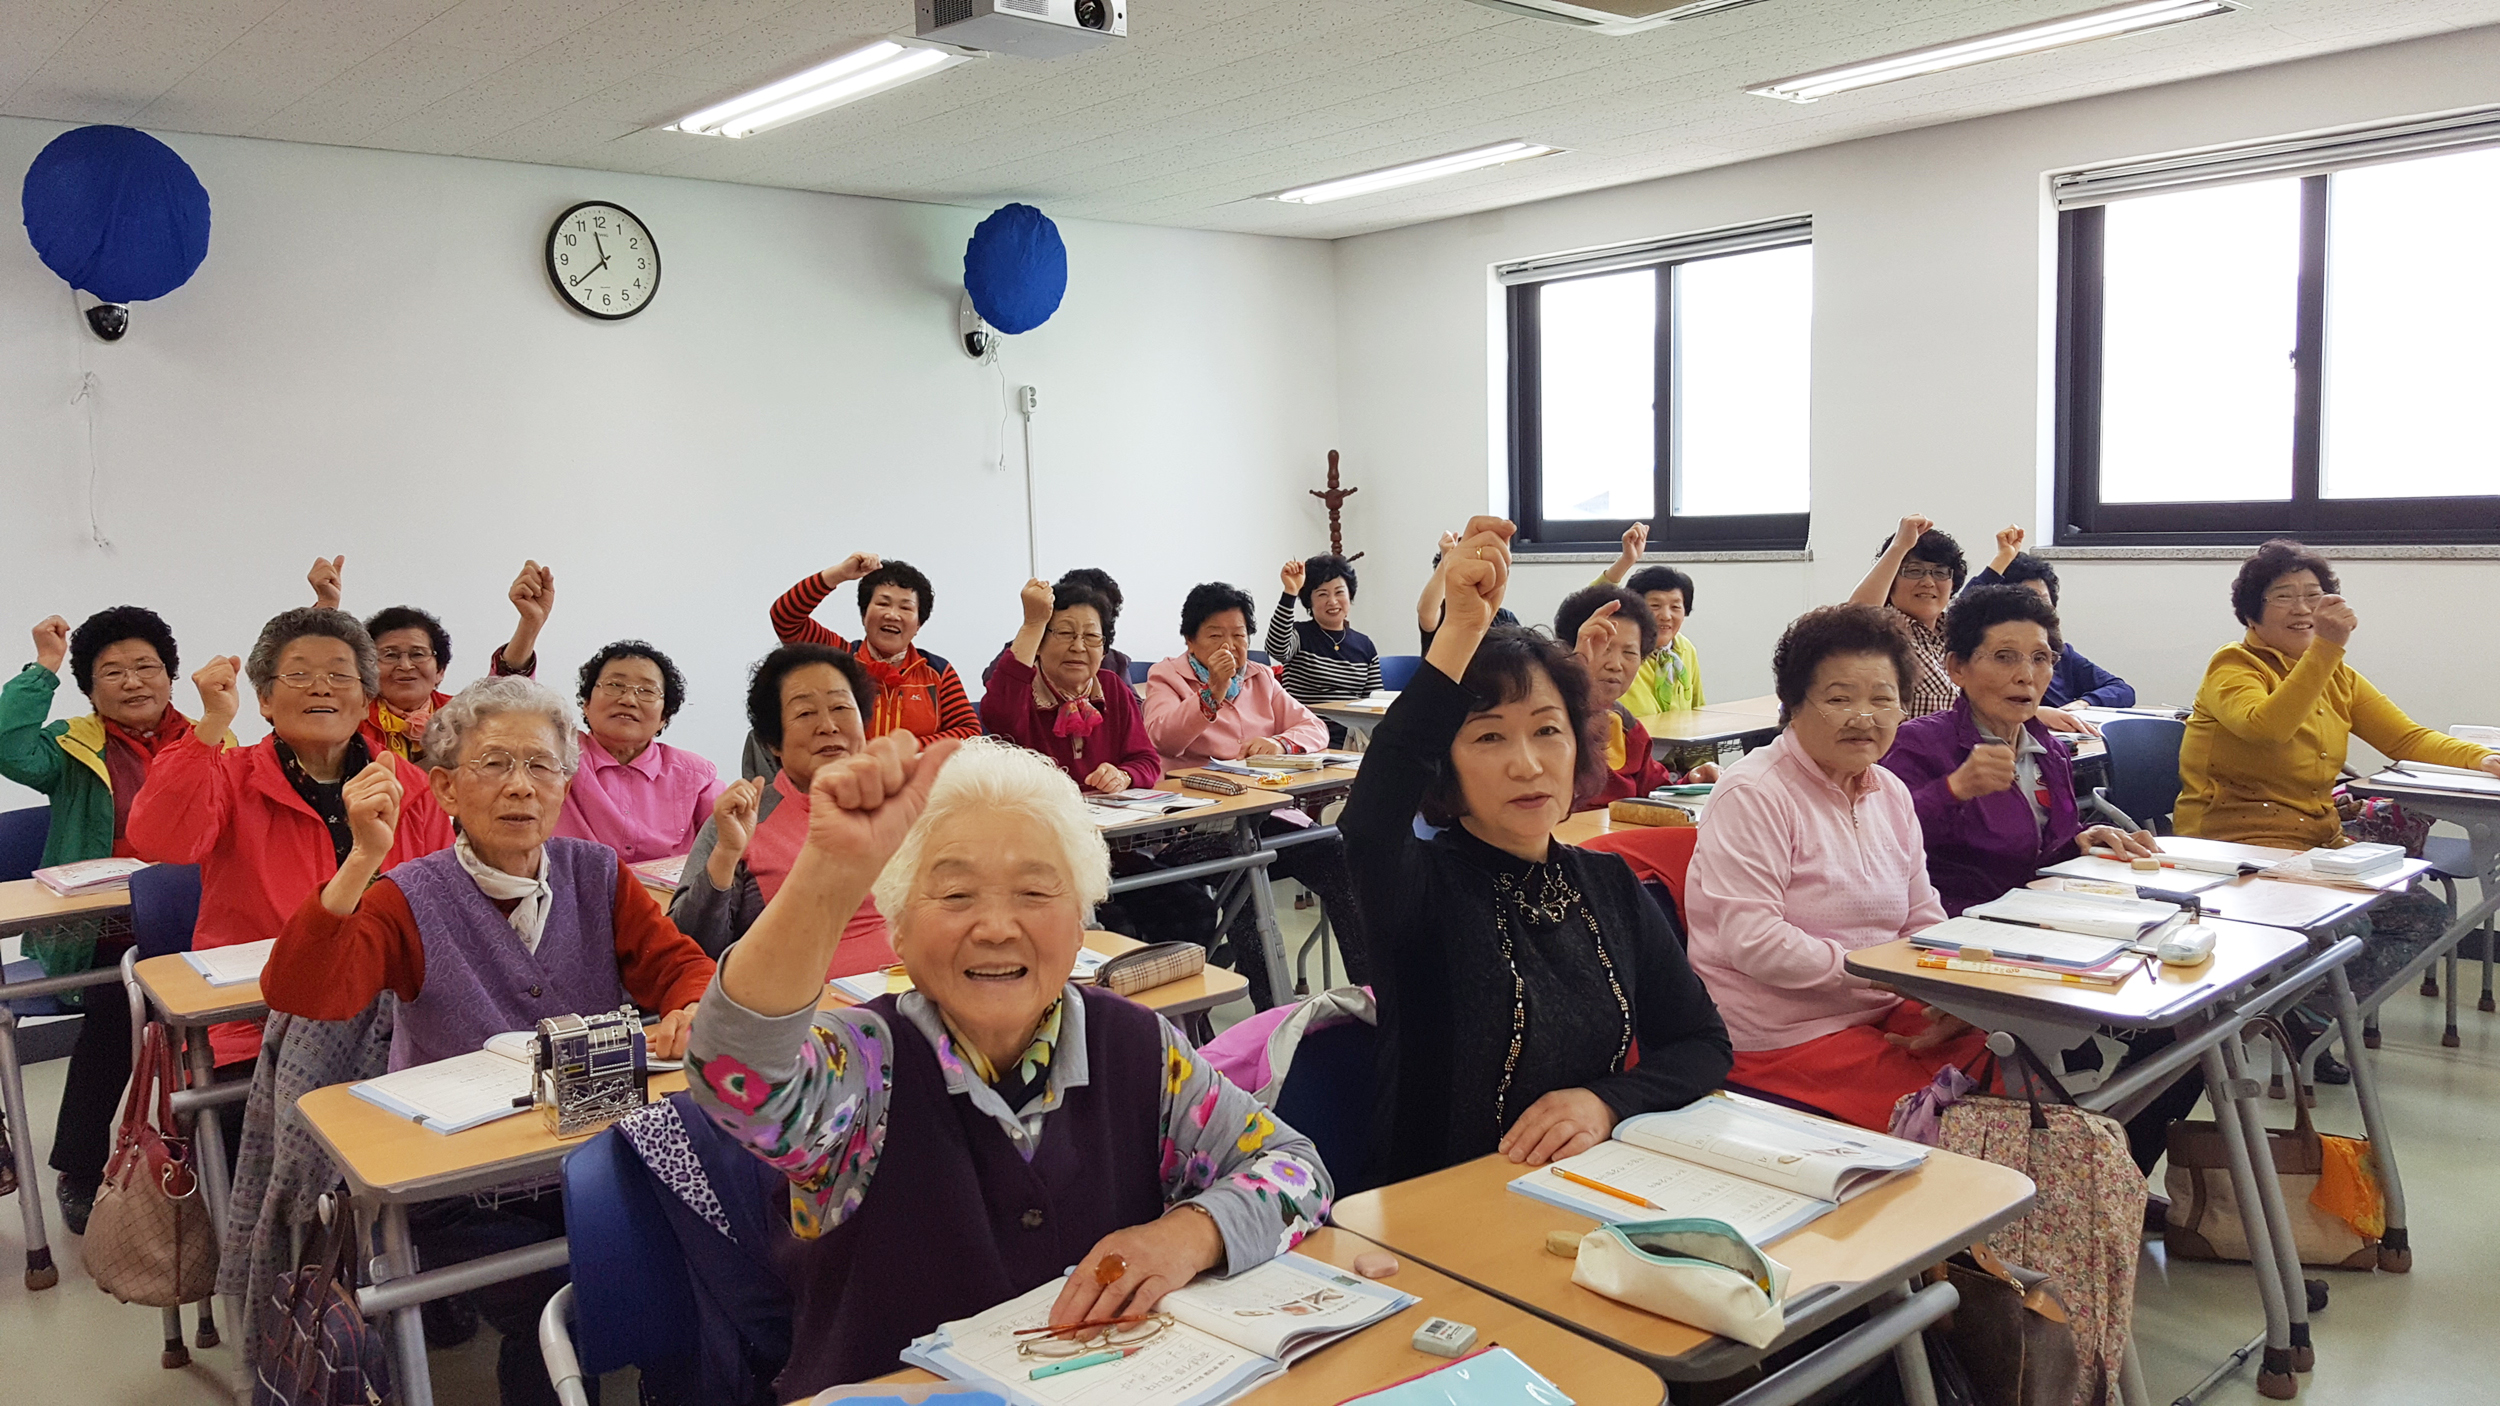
1016	269
115	212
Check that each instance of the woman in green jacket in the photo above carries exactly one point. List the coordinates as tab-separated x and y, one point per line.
92	768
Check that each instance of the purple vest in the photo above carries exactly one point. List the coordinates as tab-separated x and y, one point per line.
956	1221
479	980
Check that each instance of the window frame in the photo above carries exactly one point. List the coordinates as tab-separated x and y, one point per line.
1750	532
2083	520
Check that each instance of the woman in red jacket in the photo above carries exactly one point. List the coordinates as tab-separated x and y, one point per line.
267	824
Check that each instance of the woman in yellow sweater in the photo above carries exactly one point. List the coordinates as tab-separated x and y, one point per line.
2277	711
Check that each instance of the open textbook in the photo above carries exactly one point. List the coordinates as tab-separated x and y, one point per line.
456	1094
238	965
1227	1336
1762	1169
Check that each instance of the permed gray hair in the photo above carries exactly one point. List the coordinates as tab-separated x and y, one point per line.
306	622
488	697
987	774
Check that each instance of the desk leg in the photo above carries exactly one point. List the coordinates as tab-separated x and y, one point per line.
208	1142
1909	1357
2131	1388
2395	1251
2278	1218
41	1273
1263	906
399	1259
2274	1375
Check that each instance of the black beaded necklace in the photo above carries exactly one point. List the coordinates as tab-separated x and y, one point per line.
1555	900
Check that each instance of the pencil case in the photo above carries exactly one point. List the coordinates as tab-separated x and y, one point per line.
1633	810
1694	1271
1150	967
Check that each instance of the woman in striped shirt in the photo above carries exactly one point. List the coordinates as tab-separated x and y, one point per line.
1323	659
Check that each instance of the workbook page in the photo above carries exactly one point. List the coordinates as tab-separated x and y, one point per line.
1180	1366
1286	1307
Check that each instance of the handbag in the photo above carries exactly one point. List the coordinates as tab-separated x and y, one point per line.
149	1240
2011	1333
2378	820
1694	1271
2203	1222
315	1347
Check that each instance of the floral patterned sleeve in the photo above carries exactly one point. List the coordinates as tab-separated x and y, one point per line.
807	1092
1226	1153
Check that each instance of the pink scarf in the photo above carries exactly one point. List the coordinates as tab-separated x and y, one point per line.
866	945
1075	718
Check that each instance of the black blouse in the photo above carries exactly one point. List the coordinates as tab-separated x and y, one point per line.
1447	995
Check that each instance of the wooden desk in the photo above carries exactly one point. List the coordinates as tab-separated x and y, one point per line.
26	905
1465	1222
1354	716
1296	784
1241	816
1211	987
1384	1353
2156	999
185	999
1253	803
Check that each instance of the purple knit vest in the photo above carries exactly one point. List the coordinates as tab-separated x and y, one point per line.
956	1220
479	980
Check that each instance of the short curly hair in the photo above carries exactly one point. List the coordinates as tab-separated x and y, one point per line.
109	627
2026	567
764	685
672	683
1834	630
1933	547
2274	561
1977	611
305	622
408	617
1069	595
905	575
1100	581
1577	607
1661	578
1322	569
1212	598
1504	671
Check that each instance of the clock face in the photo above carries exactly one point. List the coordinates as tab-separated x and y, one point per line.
604	262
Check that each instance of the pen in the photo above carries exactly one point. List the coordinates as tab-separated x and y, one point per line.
1078	1364
1594	1184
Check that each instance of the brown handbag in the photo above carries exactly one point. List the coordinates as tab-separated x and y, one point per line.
2011	1331
150	1240
2203	1222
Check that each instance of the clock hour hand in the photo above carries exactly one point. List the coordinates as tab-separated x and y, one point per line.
585	273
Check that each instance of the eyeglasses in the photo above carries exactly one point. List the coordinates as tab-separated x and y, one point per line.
1085	642
1917	572
336	683
497	767
2010	660
638	692
1871	714
1075	1342
2307	599
137	673
396	657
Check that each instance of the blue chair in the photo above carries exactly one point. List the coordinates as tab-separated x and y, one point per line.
1328	1098
1396	669
631	1302
1138	669
1258	656
2143	784
22	836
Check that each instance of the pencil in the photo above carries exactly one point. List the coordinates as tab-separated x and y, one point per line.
1594	1184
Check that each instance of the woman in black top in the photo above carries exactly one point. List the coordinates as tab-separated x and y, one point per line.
1516	976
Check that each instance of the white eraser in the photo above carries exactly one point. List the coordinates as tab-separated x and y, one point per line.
1443	1338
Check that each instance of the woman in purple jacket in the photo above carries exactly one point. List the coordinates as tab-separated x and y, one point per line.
1995	789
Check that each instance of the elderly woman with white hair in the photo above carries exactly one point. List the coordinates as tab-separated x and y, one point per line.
976	1136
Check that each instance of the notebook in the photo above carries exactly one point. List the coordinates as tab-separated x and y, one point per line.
2179	880
2088	914
1763	1169
2016	942
456	1094
1229	1335
661	873
238	965
2443	778
85	876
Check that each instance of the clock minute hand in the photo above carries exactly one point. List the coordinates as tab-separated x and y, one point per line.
585	273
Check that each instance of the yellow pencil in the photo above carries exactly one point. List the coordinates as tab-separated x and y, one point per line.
1594	1184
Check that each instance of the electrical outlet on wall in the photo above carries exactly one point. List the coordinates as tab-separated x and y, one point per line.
1028	399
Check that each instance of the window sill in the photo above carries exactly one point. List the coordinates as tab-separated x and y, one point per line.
1563	556
2484	551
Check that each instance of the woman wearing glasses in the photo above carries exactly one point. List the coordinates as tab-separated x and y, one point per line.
1049	691
1915	577
268	824
506	927
1995	790
634	793
1810	852
2278	710
415	651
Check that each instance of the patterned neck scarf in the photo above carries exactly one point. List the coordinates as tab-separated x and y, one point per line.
1019	1085
325	797
1206	695
405	732
1076	717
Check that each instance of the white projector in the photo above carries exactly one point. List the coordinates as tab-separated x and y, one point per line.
1033	29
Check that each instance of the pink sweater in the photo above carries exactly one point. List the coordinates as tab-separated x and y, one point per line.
1789	876
1186	736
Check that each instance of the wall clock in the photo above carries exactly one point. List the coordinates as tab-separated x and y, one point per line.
603	260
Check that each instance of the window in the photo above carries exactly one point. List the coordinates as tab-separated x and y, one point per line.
2245	354
1664	383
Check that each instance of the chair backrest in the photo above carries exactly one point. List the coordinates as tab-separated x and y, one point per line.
164	907
633	1302
1327	1097
22	836
1138	669
1657	853
1258	656
1396	669
2144	767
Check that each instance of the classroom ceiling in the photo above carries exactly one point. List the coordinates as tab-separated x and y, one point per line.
1207	105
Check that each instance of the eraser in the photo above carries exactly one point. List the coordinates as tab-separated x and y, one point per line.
1565	1243
1443	1338
2146	866
1375	1264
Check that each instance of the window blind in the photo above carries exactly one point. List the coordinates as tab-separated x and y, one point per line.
1701	244
2292	156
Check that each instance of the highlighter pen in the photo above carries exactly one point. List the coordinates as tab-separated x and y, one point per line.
1078	1364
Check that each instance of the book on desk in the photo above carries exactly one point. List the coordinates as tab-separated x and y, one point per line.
85	876
466	1091
1225	1337
1762	1169
237	965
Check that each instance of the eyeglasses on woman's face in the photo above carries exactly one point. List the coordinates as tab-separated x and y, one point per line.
497	767
1853	712
414	658
1089	641
1924	571
302	681
630	692
137	673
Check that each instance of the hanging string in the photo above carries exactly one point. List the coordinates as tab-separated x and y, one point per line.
998	364
89	392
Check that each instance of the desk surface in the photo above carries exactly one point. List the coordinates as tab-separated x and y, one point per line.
186	998
1385	1353
1715	722
1254	800
2161	997
1288	783
392	1159
26	904
1464	1221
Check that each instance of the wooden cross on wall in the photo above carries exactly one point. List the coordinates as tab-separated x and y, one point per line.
1335	497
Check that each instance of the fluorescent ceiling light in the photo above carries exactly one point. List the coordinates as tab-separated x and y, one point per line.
888	63
1429	169
1986	48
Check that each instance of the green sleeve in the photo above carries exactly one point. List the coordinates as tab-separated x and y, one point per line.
28	756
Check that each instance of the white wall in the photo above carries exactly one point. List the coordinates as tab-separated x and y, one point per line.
1932	317
372	362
